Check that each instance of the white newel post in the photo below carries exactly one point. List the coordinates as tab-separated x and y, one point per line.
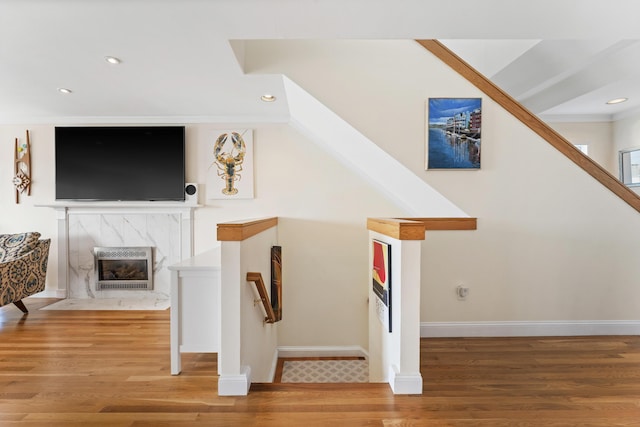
405	377
63	252
234	379
394	357
248	344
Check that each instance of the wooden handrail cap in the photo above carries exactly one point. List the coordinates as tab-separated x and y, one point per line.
236	231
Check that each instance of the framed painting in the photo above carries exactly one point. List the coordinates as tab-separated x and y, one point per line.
230	172
453	133
276	281
382	280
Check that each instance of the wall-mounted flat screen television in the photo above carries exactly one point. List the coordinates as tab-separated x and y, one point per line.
120	163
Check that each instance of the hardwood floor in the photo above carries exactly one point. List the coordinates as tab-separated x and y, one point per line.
111	368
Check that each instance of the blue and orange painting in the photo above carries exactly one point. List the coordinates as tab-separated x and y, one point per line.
454	128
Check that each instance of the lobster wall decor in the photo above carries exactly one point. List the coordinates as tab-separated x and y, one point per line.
232	161
229	163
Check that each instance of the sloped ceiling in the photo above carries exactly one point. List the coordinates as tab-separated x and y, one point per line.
561	79
178	66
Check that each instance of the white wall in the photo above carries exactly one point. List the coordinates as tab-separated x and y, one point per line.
597	135
626	133
551	243
605	139
23	216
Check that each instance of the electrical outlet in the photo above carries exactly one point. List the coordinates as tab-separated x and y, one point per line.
462	292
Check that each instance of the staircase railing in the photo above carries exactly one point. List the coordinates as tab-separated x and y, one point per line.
264	297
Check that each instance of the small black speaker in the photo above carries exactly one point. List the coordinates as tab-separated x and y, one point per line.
191	194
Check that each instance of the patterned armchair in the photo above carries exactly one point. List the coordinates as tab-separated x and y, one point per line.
23	267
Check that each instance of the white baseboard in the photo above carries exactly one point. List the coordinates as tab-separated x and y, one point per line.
524	329
322	351
274	366
235	385
405	383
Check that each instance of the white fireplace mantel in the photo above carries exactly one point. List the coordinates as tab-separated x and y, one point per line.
64	209
131	207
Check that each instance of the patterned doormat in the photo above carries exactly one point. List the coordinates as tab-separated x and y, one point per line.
323	370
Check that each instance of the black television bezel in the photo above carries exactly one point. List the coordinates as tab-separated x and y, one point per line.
146	149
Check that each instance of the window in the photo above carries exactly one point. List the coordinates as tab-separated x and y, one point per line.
630	166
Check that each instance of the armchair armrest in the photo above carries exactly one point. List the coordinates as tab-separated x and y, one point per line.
24	275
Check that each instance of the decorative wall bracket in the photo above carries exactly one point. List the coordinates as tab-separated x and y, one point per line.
264	297
22	168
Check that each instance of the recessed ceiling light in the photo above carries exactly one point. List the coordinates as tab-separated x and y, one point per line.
617	101
64	90
112	60
268	97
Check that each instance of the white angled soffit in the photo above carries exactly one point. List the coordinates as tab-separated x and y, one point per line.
399	184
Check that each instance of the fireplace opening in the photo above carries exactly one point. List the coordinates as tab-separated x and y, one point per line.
123	268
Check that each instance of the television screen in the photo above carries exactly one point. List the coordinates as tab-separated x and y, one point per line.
120	163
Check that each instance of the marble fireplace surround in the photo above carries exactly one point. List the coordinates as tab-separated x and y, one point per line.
165	226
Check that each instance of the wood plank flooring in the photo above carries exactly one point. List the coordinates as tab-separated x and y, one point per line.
112	368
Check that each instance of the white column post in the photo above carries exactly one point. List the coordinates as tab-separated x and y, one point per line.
394	355
186	233
175	328
62	218
234	379
405	377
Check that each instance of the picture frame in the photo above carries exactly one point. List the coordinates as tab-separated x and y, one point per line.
381	283
230	170
453	136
